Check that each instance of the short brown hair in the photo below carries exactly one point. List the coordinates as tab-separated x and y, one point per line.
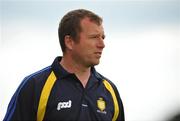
70	24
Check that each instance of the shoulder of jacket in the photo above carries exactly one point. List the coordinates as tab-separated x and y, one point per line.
41	73
36	77
102	78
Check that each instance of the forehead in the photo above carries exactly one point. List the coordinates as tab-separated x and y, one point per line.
88	25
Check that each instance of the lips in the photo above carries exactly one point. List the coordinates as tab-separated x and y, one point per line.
98	53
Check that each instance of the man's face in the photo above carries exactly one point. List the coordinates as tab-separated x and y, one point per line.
89	47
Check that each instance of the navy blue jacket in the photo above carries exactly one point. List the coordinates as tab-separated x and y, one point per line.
55	94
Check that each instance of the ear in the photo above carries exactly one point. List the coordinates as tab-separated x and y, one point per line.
68	42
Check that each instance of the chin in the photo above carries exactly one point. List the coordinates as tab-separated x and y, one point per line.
95	63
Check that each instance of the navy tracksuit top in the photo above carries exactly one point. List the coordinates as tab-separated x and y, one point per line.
67	99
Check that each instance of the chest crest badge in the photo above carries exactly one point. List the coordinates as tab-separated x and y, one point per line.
101	104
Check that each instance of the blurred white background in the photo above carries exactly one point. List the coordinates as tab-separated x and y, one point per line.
142	54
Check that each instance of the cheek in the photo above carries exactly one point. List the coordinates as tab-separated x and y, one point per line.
90	46
85	52
85	49
80	51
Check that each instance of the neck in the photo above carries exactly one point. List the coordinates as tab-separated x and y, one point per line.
78	69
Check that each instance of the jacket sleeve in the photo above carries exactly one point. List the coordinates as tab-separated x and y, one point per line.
21	106
121	116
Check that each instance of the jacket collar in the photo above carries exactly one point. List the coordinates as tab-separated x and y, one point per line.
60	72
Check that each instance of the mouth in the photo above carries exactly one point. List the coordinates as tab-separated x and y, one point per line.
98	54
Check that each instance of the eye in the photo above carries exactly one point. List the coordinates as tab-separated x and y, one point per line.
97	36
94	36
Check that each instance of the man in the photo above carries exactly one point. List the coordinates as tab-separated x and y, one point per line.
71	88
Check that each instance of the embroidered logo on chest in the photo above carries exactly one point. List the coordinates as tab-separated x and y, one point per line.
62	105
101	104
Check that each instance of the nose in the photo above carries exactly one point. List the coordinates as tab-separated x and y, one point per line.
101	43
